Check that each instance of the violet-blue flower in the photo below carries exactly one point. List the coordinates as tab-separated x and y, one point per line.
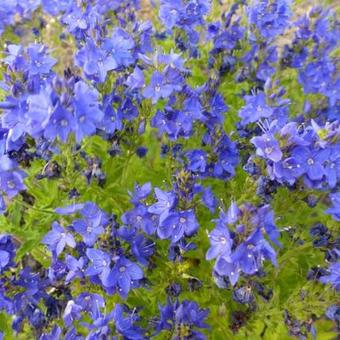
89	231
87	112
165	202
255	108
58	238
100	264
267	147
123	275
220	242
75	267
335	209
334	276
162	85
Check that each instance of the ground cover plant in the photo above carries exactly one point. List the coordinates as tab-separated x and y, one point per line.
169	169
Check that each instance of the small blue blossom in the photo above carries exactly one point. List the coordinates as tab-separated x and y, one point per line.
86	109
125	322
75	267
89	231
72	312
61	124
335	209
267	147
176	225
162	85
7	252
334	276
311	161
221	243
165	202
40	62
95	61
255	108
197	160
120	48
136	79
58	238
55	334
185	316
100	264
142	248
123	275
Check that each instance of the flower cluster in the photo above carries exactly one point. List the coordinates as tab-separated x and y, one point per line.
197	106
239	244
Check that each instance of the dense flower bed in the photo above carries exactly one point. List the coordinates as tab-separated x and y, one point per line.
169	170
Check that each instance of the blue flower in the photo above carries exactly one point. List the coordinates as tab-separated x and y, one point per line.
58	238
86	108
332	165
70	209
39	111
125	322
184	317
72	312
228	158
197	160
265	217
54	7
75	267
267	147
142	248
7	252
183	14
316	76
288	170
166	201
113	119
61	123
128	110
140	192
162	85
251	248
228	39
89	231
209	199
250	254
335	209
232	216
333	313
136	79
2	205
120	47
311	161
100	264
55	334
91	303
123	276
40	62
170	12
76	21
140	218
95	61
176	225
11	182
57	270
334	276
15	58
255	109
220	242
